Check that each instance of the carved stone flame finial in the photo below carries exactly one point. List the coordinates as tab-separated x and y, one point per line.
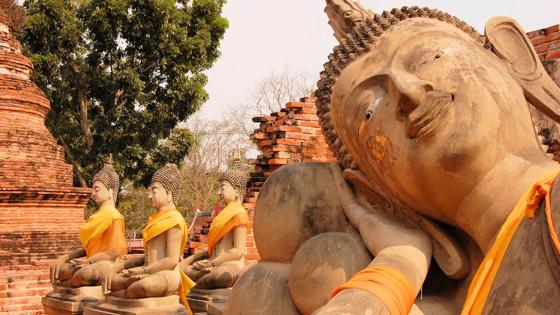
345	15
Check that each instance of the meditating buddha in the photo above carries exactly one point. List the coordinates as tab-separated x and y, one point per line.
102	238
165	236
221	264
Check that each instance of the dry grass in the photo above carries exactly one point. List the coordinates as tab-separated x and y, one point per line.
15	13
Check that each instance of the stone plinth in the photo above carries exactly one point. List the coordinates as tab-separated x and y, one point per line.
40	210
71	301
167	305
212	302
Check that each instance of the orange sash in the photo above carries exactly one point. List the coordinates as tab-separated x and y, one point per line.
386	283
486	273
232	215
103	231
160	222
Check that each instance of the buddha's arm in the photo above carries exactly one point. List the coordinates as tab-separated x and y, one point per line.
238	250
393	243
173	244
111	254
194	258
134	262
55	267
76	253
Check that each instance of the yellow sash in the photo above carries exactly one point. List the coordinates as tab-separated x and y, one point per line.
160	222
233	215
92	231
486	273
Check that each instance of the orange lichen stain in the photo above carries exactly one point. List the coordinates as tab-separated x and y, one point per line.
379	147
382	140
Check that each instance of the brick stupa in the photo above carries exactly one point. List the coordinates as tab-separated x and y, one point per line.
40	210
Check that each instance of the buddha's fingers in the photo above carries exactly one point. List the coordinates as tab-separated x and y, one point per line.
343	188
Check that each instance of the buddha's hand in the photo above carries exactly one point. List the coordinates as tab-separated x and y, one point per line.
134	271
203	265
345	192
55	268
106	271
80	261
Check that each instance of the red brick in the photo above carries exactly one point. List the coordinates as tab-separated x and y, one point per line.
551	37
552	54
542	48
553	29
536	33
537	40
40	211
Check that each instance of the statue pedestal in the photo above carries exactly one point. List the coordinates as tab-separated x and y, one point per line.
71	301
212	302
167	305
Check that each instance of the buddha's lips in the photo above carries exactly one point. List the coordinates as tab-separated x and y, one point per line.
428	114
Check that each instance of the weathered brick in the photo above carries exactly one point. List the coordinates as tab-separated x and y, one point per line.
40	211
553	29
552	54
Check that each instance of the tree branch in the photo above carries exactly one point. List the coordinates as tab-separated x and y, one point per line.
75	167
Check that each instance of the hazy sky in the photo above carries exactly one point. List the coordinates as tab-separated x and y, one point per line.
265	36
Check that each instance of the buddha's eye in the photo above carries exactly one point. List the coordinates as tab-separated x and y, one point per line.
438	55
433	57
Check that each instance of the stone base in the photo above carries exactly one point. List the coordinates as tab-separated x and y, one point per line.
66	301
167	305
212	302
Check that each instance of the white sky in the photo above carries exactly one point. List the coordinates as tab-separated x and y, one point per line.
265	36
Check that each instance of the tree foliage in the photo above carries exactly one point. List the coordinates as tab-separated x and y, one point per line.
121	74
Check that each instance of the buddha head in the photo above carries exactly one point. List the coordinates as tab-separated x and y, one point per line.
165	187
232	185
419	106
105	184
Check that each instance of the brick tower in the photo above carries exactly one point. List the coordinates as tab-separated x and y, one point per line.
40	210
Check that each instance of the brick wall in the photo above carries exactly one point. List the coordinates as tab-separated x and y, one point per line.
290	135
547	45
40	211
546	42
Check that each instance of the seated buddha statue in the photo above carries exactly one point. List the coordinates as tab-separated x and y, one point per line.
156	274
221	264
102	238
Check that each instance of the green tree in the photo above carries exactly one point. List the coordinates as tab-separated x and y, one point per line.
121	74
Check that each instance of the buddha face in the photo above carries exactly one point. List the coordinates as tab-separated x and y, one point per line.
429	112
159	196
100	193
227	192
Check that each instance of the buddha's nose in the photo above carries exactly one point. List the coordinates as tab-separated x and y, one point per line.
406	91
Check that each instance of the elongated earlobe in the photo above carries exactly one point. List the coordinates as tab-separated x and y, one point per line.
509	42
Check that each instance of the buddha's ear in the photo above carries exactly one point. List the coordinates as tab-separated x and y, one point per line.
510	43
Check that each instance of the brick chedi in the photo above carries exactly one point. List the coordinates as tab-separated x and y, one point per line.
40	210
291	135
